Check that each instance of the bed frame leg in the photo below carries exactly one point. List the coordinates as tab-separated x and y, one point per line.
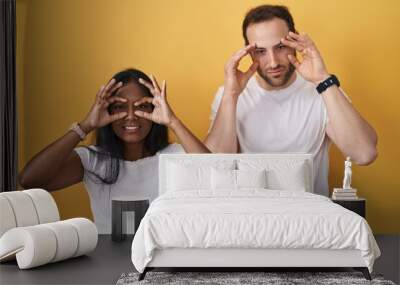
143	274
364	271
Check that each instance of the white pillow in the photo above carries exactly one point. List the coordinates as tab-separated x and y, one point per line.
236	179
251	178
223	179
293	179
187	177
281	174
184	174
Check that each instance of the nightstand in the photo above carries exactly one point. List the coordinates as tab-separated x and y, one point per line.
356	205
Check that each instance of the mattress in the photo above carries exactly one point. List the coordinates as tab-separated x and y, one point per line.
250	219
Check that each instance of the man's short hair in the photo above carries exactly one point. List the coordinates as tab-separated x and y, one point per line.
265	13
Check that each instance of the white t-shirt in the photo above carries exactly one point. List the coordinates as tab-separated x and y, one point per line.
281	121
137	178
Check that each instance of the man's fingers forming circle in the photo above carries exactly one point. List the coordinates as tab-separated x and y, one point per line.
295	36
293	60
241	53
303	38
293	44
253	68
233	63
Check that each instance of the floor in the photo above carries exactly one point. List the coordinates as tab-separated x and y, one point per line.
102	266
389	262
111	259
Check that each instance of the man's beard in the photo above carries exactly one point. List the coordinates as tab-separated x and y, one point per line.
273	81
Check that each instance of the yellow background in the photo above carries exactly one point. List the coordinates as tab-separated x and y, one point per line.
66	49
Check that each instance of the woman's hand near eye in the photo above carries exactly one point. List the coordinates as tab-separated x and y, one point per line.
98	115
162	112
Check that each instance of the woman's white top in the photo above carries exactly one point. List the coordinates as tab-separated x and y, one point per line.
137	178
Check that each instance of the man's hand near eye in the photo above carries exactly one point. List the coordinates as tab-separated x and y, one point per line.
98	115
236	80
312	66
222	136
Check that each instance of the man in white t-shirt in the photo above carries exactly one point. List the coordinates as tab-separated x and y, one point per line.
289	105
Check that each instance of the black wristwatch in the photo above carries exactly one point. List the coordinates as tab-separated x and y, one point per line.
332	80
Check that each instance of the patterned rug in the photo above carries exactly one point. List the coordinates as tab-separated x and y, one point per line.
244	278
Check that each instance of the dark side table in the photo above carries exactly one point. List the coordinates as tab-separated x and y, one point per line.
357	205
120	207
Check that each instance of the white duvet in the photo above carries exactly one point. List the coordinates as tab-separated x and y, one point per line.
251	218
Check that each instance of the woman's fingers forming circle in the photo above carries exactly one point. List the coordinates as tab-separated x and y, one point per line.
148	86
114	99
115	87
144	100
155	83
100	92
110	88
164	89
110	83
144	115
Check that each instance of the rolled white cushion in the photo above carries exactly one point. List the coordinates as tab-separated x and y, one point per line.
33	246
7	218
23	208
67	240
45	205
40	244
87	235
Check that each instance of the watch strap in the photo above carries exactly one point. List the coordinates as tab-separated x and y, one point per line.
331	80
77	129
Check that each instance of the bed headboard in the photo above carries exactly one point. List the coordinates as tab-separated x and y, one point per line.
275	160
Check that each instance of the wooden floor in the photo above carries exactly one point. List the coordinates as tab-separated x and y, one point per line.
111	259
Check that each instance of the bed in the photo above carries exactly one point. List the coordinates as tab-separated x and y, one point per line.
247	211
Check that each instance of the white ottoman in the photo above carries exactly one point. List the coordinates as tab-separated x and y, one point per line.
31	233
